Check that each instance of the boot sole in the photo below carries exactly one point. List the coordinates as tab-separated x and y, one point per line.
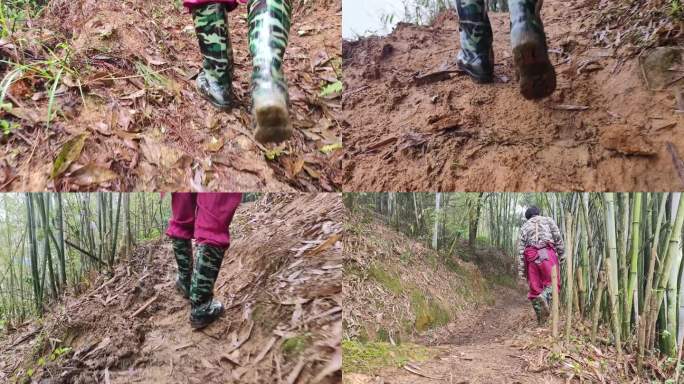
199	324
537	75
476	77
272	123
220	107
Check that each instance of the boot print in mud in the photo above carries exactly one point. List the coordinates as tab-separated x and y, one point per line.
214	82
269	28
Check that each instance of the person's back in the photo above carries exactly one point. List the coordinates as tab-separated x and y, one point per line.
540	232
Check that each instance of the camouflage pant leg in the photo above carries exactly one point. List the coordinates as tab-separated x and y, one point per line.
211	27
207	266
474	26
182	250
269	29
528	12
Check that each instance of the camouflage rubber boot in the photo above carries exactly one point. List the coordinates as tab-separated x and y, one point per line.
182	250
539	311
215	80
269	28
530	53
476	56
207	265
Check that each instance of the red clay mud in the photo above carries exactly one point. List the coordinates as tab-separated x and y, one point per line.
412	122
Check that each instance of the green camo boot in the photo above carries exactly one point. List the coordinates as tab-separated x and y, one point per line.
269	28
476	56
182	249
207	265
215	80
530	53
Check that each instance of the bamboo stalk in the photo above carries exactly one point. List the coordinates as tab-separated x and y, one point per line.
554	303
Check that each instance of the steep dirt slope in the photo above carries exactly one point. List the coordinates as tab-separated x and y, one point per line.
412	122
280	281
141	123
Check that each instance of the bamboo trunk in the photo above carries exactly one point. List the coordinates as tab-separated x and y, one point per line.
555	299
612	272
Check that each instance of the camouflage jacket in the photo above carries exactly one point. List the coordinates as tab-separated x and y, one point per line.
538	232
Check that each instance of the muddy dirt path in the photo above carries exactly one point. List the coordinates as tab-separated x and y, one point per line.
139	120
477	349
409	128
280	284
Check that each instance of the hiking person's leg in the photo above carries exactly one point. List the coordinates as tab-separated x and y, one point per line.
214	82
536	288
530	53
546	269
476	56
214	214
269	29
181	229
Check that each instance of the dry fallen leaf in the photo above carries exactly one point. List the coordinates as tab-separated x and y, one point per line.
70	152
92	174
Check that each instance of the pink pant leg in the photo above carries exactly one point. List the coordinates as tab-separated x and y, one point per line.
182	222
214	213
539	275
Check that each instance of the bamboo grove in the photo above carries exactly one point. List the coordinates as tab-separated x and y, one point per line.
50	242
623	267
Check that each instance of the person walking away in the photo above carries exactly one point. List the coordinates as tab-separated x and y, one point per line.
539	249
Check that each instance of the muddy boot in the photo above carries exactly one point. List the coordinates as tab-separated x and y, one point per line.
269	28
476	56
182	250
541	309
207	265
215	80
530	53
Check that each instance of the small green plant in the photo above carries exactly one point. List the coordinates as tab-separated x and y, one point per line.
675	9
296	345
332	90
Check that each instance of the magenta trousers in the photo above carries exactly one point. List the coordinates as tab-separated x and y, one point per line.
539	275
232	4
205	217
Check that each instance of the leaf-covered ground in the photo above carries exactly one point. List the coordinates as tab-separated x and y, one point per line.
100	95
280	282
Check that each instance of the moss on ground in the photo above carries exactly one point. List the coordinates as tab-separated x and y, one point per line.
370	357
296	345
388	279
429	313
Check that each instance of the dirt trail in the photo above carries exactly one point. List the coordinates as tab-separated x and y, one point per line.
480	347
281	286
408	127
146	130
